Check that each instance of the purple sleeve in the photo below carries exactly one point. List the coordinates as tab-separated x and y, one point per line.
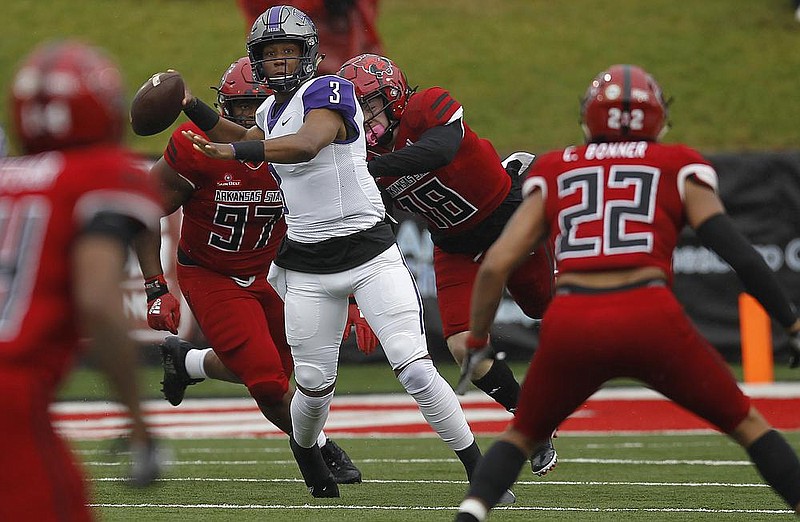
334	93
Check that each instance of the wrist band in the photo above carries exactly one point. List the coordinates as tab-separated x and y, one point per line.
201	114
474	343
249	151
155	287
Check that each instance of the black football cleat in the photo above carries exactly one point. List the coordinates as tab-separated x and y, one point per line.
326	490
337	460
507	498
173	360
316	475
544	460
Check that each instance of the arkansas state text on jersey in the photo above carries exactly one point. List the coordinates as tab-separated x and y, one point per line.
233	223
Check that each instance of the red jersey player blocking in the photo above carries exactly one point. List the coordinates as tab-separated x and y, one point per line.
69	208
232	226
428	161
614	208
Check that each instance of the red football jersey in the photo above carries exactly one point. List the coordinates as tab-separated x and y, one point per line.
45	201
616	205
458	196
233	223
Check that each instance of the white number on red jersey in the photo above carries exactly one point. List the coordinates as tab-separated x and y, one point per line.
235	219
23	224
439	204
596	204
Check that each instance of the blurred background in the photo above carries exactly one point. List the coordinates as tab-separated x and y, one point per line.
520	67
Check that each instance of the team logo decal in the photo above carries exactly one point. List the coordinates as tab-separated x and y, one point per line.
228	181
379	67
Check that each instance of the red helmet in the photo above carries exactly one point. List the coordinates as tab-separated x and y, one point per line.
237	85
375	75
623	103
67	94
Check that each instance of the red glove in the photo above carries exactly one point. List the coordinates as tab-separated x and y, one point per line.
163	310
366	340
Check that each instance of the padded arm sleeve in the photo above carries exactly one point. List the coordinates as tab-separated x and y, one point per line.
719	234
436	148
114	225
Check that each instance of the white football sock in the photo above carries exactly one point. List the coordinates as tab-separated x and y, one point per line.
308	417
194	363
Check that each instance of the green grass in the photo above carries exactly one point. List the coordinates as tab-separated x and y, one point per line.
599	478
87	384
518	66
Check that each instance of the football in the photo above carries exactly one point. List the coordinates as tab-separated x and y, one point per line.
157	103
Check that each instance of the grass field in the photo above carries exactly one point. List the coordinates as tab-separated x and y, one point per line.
649	477
86	384
599	478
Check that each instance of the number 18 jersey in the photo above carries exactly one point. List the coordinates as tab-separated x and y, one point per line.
455	197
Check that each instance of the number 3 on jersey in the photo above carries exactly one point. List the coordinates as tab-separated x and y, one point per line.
335	96
601	201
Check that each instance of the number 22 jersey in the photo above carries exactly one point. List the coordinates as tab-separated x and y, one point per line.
616	205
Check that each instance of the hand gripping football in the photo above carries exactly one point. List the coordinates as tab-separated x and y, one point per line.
157	103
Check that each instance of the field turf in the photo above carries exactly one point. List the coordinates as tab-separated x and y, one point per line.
599	478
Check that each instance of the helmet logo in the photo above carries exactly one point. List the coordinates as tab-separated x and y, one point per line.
640	95
379	67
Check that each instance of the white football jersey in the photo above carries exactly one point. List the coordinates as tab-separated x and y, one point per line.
333	195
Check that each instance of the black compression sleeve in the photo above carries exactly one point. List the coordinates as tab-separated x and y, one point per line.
201	114
112	224
436	148
249	151
719	234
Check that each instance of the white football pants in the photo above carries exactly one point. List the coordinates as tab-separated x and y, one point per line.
316	313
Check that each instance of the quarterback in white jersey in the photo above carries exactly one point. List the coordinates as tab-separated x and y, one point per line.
344	198
338	244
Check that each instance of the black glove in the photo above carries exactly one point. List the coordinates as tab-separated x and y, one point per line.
513	168
794	350
517	163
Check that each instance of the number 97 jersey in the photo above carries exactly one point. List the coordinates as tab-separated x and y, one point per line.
616	205
233	222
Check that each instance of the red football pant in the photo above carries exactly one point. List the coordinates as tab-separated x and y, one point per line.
531	286
644	334
39	478
245	328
